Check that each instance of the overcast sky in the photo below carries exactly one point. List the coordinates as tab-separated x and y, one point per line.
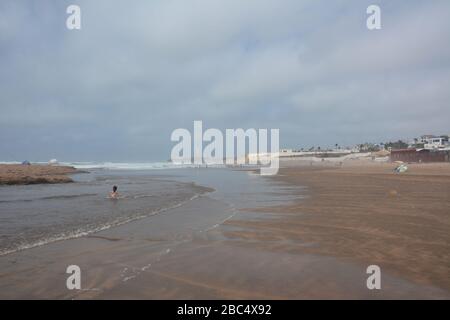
137	70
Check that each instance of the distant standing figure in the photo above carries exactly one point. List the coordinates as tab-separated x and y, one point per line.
114	194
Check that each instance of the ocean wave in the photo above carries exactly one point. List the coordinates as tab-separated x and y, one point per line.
127	165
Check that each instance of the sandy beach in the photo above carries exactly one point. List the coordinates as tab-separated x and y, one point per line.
308	233
364	212
12	174
229	150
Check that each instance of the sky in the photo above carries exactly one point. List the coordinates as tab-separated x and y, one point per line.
137	70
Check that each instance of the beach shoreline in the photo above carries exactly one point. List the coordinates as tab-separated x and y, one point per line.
23	174
211	249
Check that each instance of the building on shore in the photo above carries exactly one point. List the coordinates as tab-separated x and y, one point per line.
432	142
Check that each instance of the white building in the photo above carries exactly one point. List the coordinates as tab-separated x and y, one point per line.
434	142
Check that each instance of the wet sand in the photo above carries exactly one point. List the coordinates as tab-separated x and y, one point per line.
363	212
17	174
200	251
152	259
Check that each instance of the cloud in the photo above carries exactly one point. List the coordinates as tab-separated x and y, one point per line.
117	88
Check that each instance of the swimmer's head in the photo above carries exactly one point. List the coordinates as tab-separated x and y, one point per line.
114	188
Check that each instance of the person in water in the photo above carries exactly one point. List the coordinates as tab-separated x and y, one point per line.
114	194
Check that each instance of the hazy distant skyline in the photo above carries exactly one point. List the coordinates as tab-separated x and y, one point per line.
115	90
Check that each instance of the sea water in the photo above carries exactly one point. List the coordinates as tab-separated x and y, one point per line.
34	215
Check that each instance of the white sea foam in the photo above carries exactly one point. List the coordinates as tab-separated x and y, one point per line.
121	165
126	165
